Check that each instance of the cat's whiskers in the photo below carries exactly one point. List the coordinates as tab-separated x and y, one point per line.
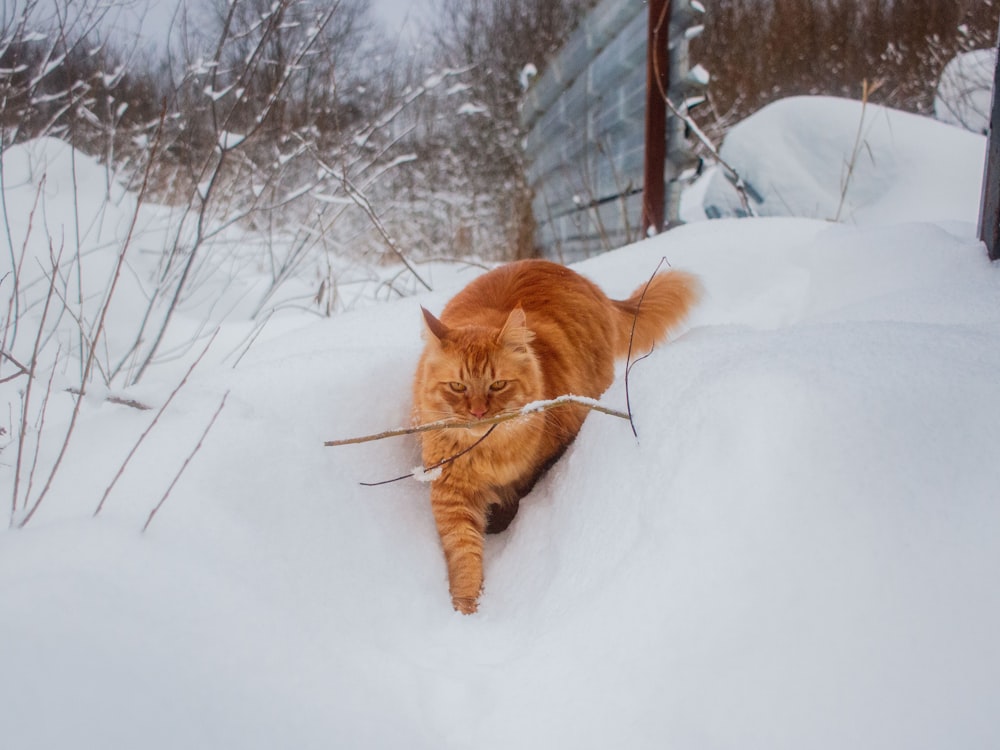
439	416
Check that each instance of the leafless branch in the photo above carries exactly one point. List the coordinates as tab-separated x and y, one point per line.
96	333
117	400
26	402
631	336
40	428
187	461
21	369
361	200
152	424
438	465
452	424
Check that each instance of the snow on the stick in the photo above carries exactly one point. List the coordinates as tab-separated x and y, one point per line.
229	140
426	476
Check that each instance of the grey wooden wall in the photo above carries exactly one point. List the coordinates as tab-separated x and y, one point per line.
584	119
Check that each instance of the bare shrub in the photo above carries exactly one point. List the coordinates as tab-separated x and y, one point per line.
762	50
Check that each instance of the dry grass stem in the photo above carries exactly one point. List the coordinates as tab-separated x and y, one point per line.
866	91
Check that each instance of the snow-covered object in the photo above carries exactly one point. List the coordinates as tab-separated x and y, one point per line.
837	159
527	75
964	94
470	108
229	140
699	75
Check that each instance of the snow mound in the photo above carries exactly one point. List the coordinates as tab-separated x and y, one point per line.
836	159
802	541
964	94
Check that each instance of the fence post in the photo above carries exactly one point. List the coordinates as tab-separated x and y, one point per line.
657	81
672	24
989	217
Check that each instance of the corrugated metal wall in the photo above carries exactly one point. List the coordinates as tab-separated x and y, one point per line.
584	119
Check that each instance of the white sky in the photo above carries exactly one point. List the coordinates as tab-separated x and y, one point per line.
404	16
152	18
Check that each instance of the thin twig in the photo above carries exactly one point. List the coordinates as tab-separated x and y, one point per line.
152	424
362	201
187	461
631	337
97	332
22	370
118	400
249	340
438	465
40	427
26	402
451	424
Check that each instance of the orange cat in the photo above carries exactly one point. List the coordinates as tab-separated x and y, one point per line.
525	332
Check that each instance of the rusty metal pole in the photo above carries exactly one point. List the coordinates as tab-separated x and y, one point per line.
657	81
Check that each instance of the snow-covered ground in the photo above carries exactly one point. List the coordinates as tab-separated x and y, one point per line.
798	552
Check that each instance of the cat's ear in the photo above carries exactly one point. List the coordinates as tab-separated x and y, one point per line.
436	328
515	332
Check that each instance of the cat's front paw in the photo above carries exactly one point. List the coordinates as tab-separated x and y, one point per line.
467	605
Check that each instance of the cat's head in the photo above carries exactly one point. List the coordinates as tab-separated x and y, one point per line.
475	372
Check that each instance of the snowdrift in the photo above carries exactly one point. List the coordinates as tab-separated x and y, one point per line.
835	159
799	551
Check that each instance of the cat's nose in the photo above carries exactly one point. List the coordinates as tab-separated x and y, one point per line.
477	412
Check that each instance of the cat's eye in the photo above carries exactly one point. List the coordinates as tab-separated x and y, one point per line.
457	387
498	385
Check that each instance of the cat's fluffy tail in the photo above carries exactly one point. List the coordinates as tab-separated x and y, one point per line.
661	305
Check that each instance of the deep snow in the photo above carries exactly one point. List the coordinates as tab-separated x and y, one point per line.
827	158
798	552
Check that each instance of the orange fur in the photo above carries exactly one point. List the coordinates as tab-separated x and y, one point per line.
525	332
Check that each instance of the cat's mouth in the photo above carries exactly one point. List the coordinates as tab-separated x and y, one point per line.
493	414
480	429
494	418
